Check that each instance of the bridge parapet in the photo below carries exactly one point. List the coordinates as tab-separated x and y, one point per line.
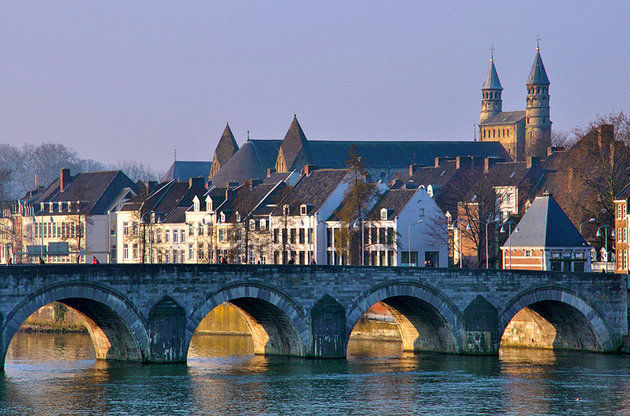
309	310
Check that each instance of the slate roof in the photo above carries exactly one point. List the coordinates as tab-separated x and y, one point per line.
504	117
171	199
313	189
514	174
398	154
538	75
182	170
251	161
96	191
243	200
545	225
225	149
272	200
492	79
335	215
394	200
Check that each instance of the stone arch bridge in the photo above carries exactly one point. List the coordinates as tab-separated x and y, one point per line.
148	313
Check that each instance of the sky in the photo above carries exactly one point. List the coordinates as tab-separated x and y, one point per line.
136	80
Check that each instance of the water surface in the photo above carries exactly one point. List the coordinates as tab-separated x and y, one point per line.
56	374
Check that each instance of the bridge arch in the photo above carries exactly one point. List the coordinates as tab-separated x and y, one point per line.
115	325
426	318
574	322
277	323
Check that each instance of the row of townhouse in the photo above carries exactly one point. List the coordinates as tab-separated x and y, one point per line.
72	220
285	218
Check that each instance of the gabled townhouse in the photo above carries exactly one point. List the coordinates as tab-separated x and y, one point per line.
152	227
298	227
618	237
406	228
545	239
72	220
243	232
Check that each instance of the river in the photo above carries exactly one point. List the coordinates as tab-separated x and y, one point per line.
56	374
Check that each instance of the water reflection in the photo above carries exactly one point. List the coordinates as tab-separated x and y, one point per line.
49	374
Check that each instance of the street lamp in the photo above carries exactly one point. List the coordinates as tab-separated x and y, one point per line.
355	226
584	222
509	223
612	234
409	238
486	224
152	215
459	228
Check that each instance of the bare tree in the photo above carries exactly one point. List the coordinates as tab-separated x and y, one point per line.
563	138
137	171
358	197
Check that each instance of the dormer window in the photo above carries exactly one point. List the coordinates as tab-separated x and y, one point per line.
384	214
252	225
303	209
196	204
285	209
222	217
263	224
50	207
60	206
238	217
208	203
421	213
41	206
69	206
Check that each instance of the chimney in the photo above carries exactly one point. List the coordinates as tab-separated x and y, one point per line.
605	135
198	181
270	171
532	161
441	159
64	179
252	183
308	169
414	168
463	161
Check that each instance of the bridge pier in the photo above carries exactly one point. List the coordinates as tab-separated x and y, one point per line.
167	322
481	328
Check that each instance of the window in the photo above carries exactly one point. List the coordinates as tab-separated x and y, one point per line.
191	230
182	235
292	240
384	213
276	235
381	235
125	228
390	235
303	209
301	236
528	253
221	235
167	236
421	212
263	224
310	236
125	251
191	252
252	225
285	210
328	238
135	251
175	237
238	217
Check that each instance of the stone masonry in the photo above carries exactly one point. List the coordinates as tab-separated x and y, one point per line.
149	313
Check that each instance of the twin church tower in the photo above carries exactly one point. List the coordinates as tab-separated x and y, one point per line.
522	133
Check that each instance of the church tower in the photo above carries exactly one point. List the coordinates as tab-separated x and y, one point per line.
490	94
537	124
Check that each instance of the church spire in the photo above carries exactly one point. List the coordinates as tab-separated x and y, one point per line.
491	89
537	110
293	152
225	149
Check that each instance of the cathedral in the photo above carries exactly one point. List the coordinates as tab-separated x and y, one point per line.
522	133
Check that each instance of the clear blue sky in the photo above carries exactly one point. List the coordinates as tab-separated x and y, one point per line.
135	79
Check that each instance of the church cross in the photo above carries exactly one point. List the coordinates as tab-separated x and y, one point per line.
492	53
538	39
